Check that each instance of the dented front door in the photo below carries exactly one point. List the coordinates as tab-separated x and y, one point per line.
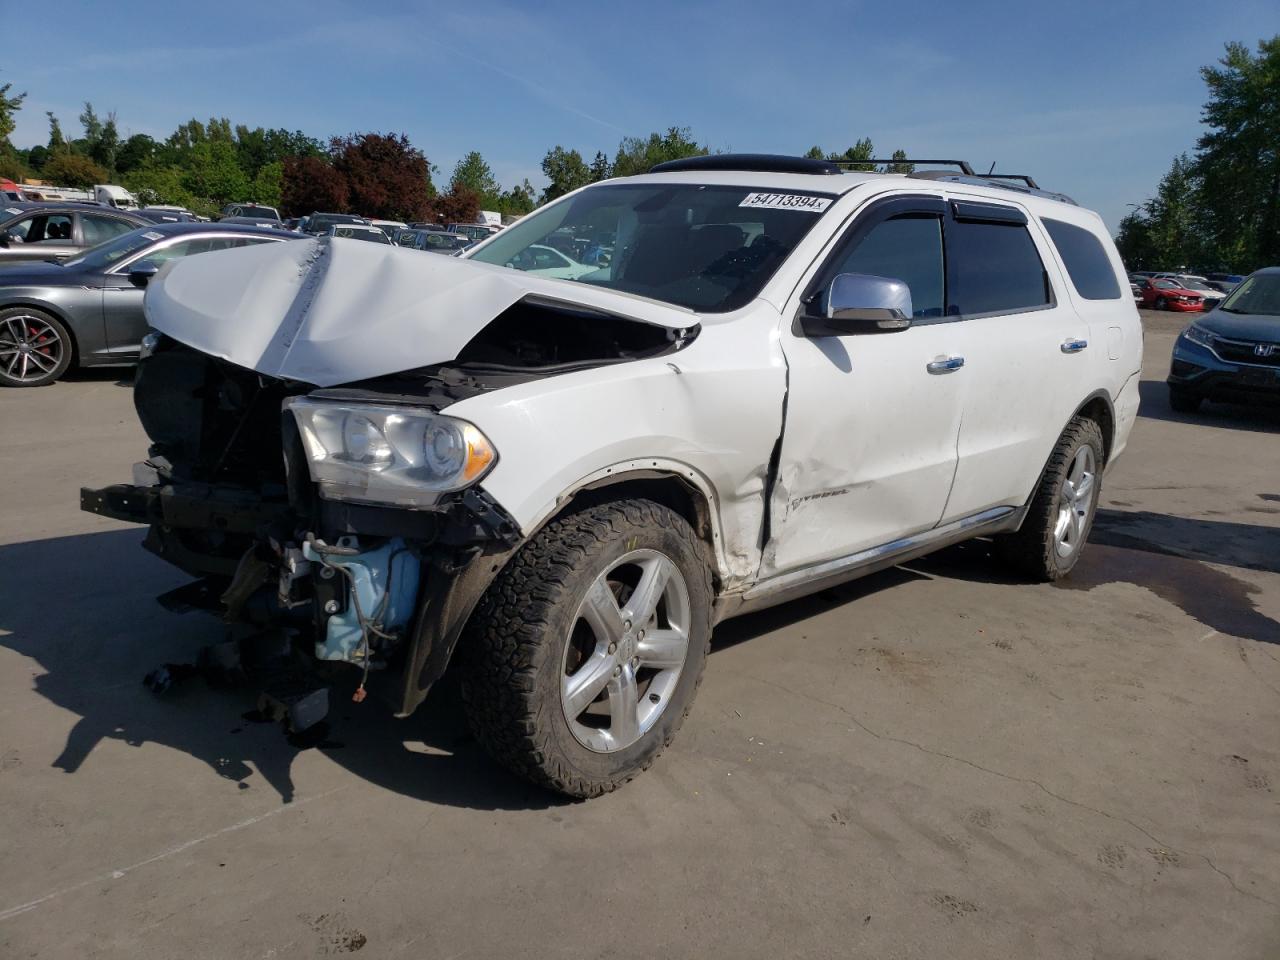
868	452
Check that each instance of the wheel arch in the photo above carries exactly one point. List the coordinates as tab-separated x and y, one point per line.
670	483
1099	408
44	306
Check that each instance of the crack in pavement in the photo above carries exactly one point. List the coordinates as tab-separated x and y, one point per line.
1029	781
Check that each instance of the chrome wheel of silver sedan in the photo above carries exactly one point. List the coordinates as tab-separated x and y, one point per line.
626	649
31	348
1076	502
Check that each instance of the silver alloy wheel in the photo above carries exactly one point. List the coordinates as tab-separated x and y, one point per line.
30	348
625	651
1079	490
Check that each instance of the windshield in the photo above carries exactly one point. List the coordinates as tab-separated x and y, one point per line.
117	248
710	248
1258	295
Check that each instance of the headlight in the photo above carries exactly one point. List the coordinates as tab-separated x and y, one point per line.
380	453
1200	335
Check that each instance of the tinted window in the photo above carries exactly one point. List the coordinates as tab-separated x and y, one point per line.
48	228
994	269
906	248
98	229
1086	260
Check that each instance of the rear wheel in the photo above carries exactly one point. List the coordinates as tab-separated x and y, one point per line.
583	658
1184	401
35	348
1057	524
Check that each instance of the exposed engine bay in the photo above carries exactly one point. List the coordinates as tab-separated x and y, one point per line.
229	490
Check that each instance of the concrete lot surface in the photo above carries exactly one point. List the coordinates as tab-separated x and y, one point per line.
934	762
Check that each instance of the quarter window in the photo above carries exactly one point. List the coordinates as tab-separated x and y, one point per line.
907	248
994	269
1085	259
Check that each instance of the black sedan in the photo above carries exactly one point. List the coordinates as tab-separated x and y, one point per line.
87	310
49	231
1233	353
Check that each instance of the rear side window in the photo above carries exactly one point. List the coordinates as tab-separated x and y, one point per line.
995	268
1086	260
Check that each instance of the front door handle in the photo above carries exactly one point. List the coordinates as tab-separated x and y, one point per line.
1074	345
945	364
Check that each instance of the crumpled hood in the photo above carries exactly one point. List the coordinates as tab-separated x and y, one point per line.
329	311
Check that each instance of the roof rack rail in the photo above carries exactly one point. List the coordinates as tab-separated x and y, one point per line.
753	162
962	165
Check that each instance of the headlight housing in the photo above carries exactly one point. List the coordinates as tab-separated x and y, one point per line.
388	454
1198	334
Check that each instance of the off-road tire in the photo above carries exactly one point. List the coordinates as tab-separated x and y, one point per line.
513	647
58	327
1032	551
1183	401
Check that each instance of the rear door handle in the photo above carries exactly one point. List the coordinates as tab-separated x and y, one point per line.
1073	345
945	365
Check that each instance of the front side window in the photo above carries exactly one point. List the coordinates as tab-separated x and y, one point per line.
995	268
710	248
1086	261
45	228
907	248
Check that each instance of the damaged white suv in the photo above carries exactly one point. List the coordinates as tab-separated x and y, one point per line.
770	376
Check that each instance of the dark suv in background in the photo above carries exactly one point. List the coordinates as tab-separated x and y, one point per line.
1233	353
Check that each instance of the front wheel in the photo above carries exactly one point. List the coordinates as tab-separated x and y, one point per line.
584	655
1058	522
1161	303
35	348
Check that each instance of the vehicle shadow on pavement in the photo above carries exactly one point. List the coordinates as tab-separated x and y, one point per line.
122	376
82	609
1154	405
1165	554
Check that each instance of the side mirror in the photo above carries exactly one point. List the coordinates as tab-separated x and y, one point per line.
142	272
5	238
860	303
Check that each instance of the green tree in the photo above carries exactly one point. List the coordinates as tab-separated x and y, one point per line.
816	153
601	168
855	156
1134	242
899	164
636	155
92	125
212	174
473	173
1238	156
135	153
566	170
155	183
36	157
266	185
57	142
67	169
518	201
1172	217
9	105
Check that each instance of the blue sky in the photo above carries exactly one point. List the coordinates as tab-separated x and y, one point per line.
1092	98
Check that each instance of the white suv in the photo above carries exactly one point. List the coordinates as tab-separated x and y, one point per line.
783	377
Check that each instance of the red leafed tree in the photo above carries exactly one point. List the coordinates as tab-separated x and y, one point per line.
386	175
311	185
460	205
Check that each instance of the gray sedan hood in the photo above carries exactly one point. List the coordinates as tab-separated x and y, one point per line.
331	311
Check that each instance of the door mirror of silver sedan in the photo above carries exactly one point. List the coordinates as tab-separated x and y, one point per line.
861	303
5	238
142	272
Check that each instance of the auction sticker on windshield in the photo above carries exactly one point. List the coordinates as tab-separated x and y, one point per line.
153	235
786	201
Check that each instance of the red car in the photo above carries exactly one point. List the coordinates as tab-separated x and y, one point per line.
1170	295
